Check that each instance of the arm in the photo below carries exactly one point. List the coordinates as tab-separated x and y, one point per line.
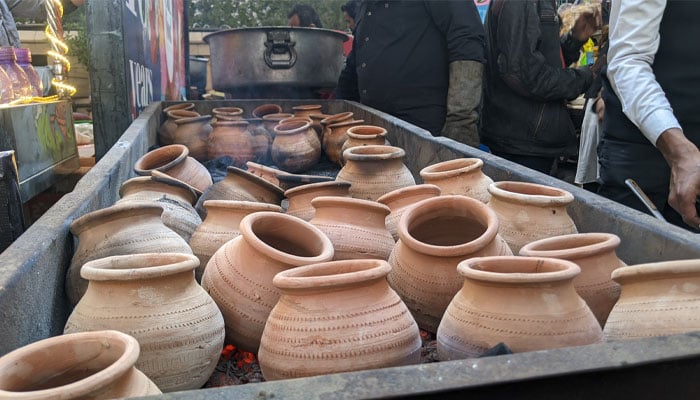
461	25
684	158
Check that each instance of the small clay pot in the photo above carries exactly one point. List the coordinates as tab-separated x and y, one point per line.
271	120
363	135
174	160
401	199
461	176
231	138
193	132
295	147
167	128
334	136
305	110
265	109
374	171
299	198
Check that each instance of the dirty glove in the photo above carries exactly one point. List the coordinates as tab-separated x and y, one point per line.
463	101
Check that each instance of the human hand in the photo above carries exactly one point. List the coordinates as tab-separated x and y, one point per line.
684	158
586	24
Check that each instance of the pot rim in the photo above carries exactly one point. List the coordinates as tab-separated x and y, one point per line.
345	123
269	186
174	155
310	187
256	111
572	246
265	29
276	117
563	269
323	275
243	205
227	110
373	152
181	113
292	127
247	233
179	106
445	203
347	203
415	190
130	267
178	187
91	383
371	131
451	168
86	221
230	122
307	107
342	116
656	270
517	192
188	120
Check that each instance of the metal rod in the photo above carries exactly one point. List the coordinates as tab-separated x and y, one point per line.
644	198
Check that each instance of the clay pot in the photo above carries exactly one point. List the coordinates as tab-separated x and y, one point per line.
271	120
316	124
400	199
265	109
595	254
342	315
355	227
527	303
374	171
231	138
262	141
154	298
657	299
334	136
295	147
193	132
118	230
175	199
167	128
220	226
363	135
306	110
299	198
239	274
228	113
94	365
435	234
241	185
529	211
174	160
284	180
459	176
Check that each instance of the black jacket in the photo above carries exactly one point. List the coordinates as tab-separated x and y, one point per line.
526	86
401	52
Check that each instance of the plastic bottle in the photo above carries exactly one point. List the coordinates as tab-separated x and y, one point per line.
6	93
20	83
24	60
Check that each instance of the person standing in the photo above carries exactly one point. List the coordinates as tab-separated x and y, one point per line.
528	83
651	127
420	61
303	15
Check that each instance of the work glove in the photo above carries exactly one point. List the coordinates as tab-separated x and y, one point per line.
463	102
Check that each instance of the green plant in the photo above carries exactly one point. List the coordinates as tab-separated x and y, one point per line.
74	28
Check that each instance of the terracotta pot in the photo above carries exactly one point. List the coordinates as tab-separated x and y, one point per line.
363	135
193	132
459	176
435	234
154	298
595	254
220	226
342	315
271	120
175	199
265	109
305	110
296	147
527	303
355	227
316	124
657	299
299	198
95	365
243	268
529	212
167	128
242	186
334	136
118	230
174	160
231	138
228	113
262	141
374	171
400	199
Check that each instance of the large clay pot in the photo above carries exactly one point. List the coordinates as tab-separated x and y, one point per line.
174	160
363	135
264	109
529	211
262	140
154	298
595	254
459	176
435	234
400	199
231	138
167	128
316	124
334	136
342	315
374	171
271	120
227	113
220	226
176	199
527	303
299	198
193	132
242	186
239	274
88	365
355	227
306	110
657	299
118	230
295	147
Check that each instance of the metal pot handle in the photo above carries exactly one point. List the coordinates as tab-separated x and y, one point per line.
279	43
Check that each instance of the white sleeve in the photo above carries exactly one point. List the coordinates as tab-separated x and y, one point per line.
634	40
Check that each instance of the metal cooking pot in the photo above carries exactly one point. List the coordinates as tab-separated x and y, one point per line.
276	57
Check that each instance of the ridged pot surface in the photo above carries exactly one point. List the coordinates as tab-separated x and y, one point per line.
374	171
459	176
299	198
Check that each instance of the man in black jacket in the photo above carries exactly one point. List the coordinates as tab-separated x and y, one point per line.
420	61
524	118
